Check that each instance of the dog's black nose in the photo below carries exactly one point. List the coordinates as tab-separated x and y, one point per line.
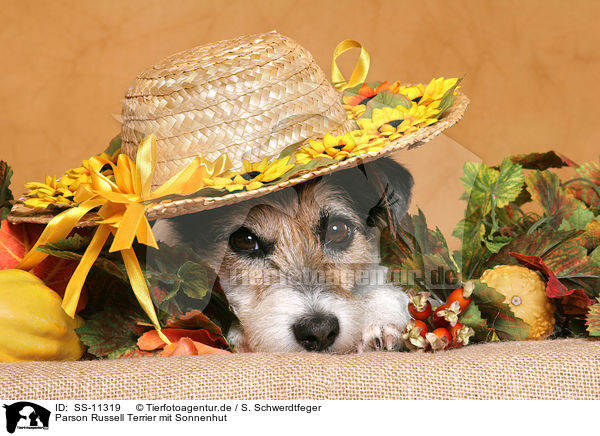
316	332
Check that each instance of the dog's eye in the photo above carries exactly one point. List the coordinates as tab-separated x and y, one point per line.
244	241
337	231
338	234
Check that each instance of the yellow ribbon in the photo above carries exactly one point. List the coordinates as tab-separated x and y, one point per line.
359	74
123	215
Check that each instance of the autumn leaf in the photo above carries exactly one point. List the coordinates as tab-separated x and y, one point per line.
194	320
186	346
545	188
542	161
17	239
587	186
112	334
419	251
578	220
554	288
593	320
150	340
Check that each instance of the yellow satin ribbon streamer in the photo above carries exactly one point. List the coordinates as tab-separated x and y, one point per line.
359	74
123	215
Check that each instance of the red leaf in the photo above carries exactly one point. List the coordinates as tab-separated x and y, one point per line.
17	239
151	341
554	288
185	346
195	320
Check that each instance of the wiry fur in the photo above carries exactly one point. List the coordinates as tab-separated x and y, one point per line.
271	293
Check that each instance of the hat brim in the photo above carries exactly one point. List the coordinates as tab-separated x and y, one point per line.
189	204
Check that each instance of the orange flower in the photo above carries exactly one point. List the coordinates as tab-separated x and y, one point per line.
365	94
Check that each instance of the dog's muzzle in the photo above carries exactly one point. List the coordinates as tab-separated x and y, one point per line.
316	332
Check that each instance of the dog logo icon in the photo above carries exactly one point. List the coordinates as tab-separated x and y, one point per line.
26	415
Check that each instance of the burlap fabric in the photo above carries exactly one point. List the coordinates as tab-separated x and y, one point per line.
557	369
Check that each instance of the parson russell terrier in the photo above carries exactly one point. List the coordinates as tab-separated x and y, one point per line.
300	267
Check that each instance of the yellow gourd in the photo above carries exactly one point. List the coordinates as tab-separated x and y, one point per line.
525	293
33	325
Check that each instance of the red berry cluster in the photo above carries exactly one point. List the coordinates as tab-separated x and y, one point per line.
438	329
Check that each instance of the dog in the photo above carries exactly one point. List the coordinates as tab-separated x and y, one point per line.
298	265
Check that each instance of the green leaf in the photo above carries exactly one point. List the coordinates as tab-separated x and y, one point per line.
498	314
386	99
472	318
287	151
448	99
197	281
593	320
6	196
112	334
484	185
115	144
578	220
496	244
509	184
72	248
487	187
70	245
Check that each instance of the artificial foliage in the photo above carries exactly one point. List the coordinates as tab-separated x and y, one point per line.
519	212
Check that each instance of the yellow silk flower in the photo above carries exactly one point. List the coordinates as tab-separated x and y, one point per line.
436	89
252	175
340	147
396	122
63	190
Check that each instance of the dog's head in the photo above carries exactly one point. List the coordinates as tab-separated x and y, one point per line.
292	264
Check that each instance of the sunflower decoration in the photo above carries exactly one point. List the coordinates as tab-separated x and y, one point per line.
61	192
340	147
412	92
253	175
436	90
355	105
393	123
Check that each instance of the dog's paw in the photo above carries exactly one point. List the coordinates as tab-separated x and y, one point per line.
377	337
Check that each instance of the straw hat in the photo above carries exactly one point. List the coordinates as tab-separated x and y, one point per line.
250	97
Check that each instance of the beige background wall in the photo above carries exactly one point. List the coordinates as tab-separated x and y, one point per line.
531	70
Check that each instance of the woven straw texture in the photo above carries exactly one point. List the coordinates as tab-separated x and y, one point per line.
558	369
250	97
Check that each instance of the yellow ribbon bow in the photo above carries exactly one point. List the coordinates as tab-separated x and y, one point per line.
359	74
123	204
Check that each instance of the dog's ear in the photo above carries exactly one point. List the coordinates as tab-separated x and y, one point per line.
381	190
